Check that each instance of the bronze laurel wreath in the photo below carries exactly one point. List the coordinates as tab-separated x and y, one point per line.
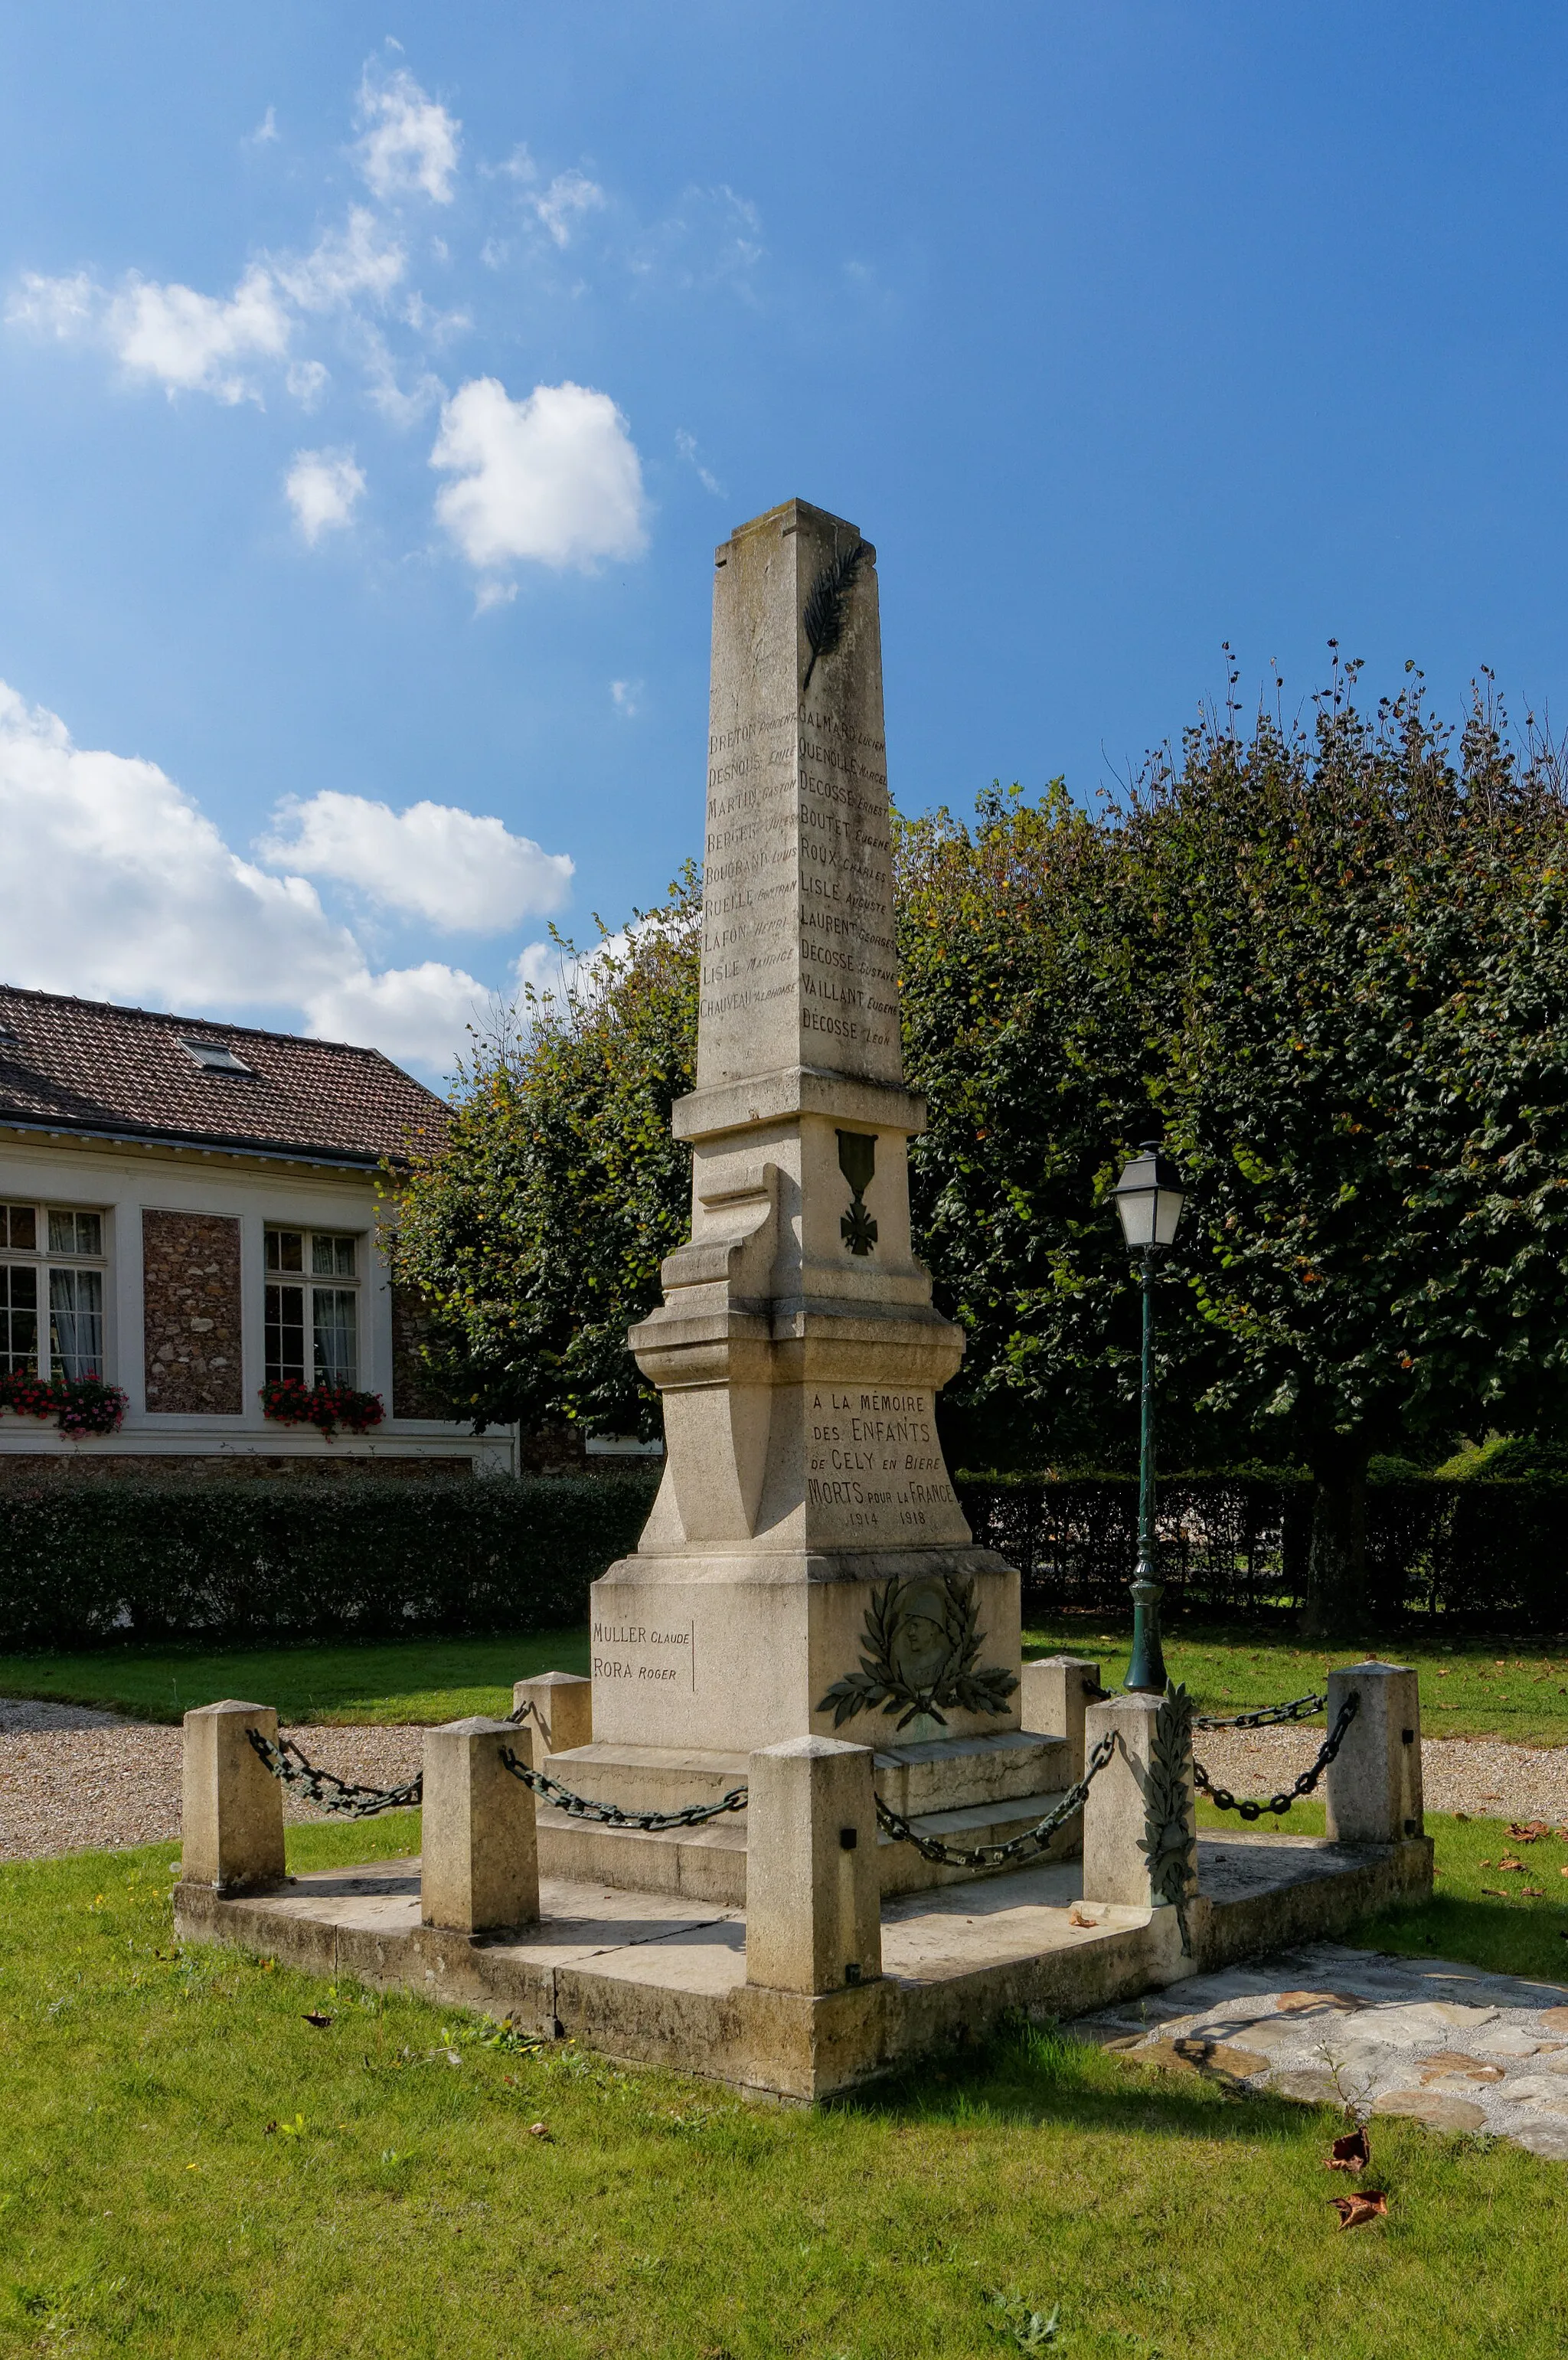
957	1684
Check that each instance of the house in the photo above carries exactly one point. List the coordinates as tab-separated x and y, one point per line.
188	1212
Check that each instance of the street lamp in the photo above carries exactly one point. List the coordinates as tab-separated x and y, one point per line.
1149	1198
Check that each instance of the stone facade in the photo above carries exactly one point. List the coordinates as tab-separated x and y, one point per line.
412	1395
190	1308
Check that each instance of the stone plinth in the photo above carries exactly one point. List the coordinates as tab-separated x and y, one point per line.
1373	1789
806	1526
1127	1806
1055	1693
812	1899
480	1868
231	1816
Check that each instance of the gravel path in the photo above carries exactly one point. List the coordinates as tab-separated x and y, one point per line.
1481	1775
71	1778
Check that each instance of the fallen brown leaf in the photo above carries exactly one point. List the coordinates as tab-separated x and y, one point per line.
1075	1918
1352	2152
538	2130
1532	1892
1366	2204
1529	1832
1494	1893
321	2022
1508	1863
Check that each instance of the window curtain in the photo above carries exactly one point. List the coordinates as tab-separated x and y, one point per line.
76	1322
336	1362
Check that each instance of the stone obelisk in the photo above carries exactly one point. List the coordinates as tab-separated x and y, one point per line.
797	1350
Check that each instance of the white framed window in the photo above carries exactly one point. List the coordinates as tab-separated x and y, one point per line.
312	1313
52	1265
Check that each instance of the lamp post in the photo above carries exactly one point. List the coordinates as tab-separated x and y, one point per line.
1149	1198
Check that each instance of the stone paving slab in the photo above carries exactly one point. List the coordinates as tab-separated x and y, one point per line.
1442	2043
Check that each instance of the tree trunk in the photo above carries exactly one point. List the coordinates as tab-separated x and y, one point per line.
1336	1558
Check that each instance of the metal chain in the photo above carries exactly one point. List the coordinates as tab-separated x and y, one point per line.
1265	1717
325	1788
610	1815
902	1830
1224	1801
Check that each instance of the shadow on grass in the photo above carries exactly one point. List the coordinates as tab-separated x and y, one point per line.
1030	2075
1503	1938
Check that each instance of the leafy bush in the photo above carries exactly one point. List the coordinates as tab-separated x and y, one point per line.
102	1562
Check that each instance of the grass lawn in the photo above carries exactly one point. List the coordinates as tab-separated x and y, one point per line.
402	1679
187	2165
1471	1687
1474	1689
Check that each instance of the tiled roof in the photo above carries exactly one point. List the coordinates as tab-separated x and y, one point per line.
85	1065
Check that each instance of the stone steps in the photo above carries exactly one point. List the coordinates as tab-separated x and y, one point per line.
932	1775
708	1863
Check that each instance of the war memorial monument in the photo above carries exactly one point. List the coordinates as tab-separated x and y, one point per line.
746	1844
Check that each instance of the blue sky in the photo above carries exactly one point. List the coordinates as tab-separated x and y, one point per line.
375	386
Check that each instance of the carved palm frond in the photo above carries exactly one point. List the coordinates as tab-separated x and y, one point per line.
823	619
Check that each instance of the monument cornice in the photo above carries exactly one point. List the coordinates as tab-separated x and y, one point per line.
795	1090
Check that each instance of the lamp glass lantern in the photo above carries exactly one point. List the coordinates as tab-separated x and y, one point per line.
1148	1198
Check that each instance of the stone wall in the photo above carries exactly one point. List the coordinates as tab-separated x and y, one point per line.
412	1395
191	1313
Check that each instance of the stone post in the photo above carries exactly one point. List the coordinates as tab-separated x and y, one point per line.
231	1819
813	1902
479	1868
564	1702
1125	1805
1055	1694
1374	1785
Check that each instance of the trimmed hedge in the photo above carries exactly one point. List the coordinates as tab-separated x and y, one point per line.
106	1563
103	1563
1481	1552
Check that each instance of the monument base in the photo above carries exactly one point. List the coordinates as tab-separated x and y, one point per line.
724	1653
662	1982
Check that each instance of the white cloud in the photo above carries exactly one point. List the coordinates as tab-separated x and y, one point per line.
66	308
627	696
555	477
324	488
191	343
687	446
462	872
265	130
358	260
568	195
308	381
185	341
400	405
117	885
425	1009
411	142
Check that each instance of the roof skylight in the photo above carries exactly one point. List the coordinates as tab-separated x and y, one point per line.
215	1058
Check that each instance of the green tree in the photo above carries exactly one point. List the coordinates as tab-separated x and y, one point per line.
1364	1069
535	1235
1023	959
1330	964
